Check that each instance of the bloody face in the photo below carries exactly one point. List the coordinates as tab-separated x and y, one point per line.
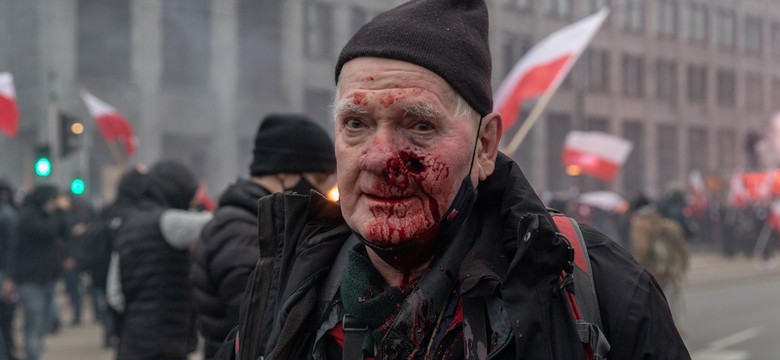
401	152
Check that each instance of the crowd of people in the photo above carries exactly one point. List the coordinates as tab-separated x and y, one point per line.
437	248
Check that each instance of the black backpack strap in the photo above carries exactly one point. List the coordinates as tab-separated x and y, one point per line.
583	299
355	331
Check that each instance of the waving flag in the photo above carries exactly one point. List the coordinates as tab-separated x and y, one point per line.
544	66
595	153
9	113
113	126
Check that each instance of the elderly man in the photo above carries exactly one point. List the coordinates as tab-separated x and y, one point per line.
439	248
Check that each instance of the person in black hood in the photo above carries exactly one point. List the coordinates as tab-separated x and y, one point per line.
153	266
439	248
38	261
228	250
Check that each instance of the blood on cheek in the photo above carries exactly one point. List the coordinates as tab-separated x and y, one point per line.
412	174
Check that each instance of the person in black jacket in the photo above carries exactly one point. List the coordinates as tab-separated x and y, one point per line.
38	261
158	320
228	249
439	248
8	241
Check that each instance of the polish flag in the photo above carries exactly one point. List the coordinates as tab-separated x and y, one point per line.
697	194
738	193
112	125
595	153
544	66
9	113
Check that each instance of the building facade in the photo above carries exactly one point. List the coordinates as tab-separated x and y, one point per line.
691	83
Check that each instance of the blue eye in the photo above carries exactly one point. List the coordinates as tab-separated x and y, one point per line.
423	126
353	123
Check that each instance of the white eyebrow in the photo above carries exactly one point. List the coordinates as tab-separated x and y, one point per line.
348	106
421	110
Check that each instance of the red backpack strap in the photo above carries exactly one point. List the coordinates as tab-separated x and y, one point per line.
585	306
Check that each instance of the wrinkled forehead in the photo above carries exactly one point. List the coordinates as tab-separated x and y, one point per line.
372	73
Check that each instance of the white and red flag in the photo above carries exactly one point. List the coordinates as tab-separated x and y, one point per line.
697	193
112	125
595	153
545	66
738	195
9	112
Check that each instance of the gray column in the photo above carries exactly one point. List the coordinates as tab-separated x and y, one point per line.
146	66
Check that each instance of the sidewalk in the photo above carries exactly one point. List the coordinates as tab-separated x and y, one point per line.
710	269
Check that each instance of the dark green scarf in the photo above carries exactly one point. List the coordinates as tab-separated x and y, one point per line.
402	321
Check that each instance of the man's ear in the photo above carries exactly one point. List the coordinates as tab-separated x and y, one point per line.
489	138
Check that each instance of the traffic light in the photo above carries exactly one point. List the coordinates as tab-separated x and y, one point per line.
77	186
42	165
71	130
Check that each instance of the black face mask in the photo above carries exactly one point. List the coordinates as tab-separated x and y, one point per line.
414	252
302	187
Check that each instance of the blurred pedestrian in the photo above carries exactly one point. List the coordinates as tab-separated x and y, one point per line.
78	220
659	246
8	240
228	251
158	315
129	195
38	261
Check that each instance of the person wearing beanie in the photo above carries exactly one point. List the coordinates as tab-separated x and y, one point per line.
439	248
291	153
153	235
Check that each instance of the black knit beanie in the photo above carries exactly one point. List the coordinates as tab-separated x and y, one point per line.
447	37
291	143
171	183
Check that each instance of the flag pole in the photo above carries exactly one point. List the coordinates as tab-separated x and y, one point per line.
114	149
529	122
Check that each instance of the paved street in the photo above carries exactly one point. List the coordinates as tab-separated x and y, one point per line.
732	310
731	315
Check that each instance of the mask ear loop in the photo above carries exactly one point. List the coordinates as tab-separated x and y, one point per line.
474	151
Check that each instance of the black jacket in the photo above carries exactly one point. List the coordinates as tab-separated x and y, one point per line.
41	246
513	268
226	255
159	321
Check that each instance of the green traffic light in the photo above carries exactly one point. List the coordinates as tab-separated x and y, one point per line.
77	186
43	167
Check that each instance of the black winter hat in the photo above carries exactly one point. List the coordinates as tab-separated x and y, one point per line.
172	184
40	195
291	143
447	37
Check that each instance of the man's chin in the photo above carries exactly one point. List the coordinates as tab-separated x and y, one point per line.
388	234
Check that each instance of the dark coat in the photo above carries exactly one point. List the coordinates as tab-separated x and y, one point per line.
159	321
226	255
41	246
513	267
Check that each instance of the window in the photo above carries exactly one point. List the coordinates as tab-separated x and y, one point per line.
559	8
597	70
725	29
634	15
668	154
697	84
259	41
318	106
775	92
186	38
696	21
697	150
515	46
558	126
666	81
727	88
776	38
519	4
595	5
727	150
358	17
666	17
633	76
754	92
634	168
104	39
318	32
753	38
